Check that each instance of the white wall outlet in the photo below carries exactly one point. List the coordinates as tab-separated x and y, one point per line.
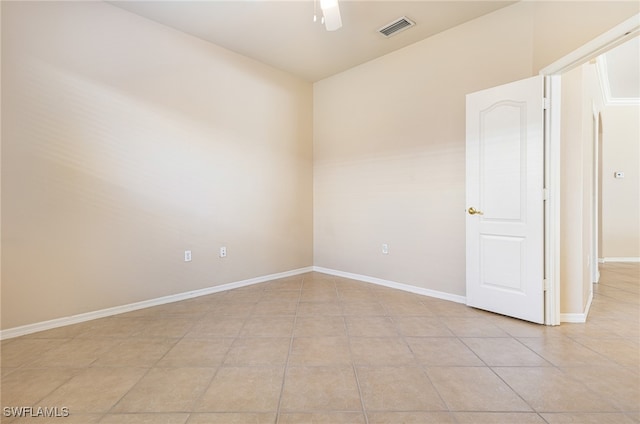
385	249
618	174
223	252
187	255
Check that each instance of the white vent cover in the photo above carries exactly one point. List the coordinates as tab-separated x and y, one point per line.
396	26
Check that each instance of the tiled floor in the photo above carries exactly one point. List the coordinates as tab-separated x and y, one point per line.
322	349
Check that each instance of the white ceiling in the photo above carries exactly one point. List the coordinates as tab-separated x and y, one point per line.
282	33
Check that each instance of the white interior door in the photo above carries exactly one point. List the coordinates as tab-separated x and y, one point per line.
505	199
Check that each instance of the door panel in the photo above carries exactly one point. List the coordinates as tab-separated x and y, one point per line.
505	154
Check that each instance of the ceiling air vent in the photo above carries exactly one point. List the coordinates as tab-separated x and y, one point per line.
396	26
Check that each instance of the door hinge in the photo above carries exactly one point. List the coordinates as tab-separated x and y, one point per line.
546	103
545	284
545	194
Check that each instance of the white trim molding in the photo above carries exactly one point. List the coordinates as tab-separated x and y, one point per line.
394	285
618	259
75	319
578	318
599	45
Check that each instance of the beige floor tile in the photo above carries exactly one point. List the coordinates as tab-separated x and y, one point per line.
317	279
547	389
233	418
388	295
319	294
268	327
175	418
373	351
589	329
319	327
441	307
319	351
271	308
190	309
442	352
233	309
421	327
320	309
166	390
135	353
473	327
196	353
81	394
74	353
71	419
587	418
410	418
616	294
24	350
168	328
410	307
280	296
346	294
518	328
322	418
615	310
350	283
259	351
320	389
618	385
27	386
370	327
475	389
215	327
362	308
230	358
6	371
622	351
398	389
243	389
617	328
564	352
498	418
251	294
284	284
506	352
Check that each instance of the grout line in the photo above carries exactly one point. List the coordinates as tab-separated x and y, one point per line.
353	362
286	365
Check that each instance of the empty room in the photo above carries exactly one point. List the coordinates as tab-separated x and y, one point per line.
320	212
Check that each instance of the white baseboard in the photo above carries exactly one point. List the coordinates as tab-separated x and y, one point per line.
578	317
618	259
88	316
393	285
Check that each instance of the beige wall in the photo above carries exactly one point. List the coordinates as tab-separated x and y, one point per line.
389	139
581	102
389	152
125	143
621	197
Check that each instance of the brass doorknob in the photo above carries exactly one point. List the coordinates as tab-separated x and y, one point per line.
473	211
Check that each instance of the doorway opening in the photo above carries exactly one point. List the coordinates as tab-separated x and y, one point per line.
554	172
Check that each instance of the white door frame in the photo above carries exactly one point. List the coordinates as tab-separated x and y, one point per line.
612	38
